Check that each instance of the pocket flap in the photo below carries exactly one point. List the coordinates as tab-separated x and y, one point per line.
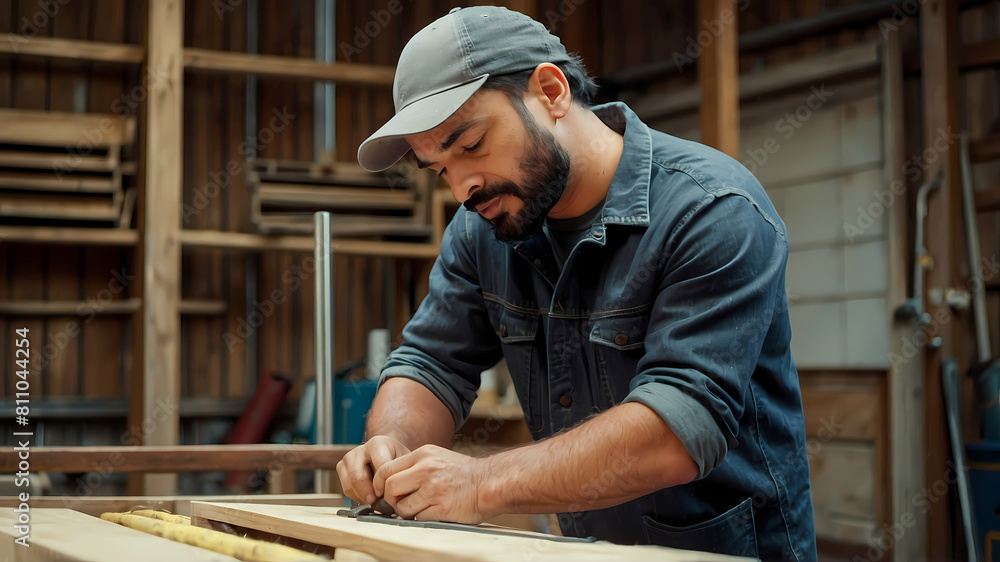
510	325
624	333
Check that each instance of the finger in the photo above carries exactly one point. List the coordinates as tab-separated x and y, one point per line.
388	469
400	486
381	451
407	504
356	476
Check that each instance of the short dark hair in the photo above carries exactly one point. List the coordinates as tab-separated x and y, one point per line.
581	85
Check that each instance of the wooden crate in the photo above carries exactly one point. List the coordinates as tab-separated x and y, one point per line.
64	168
286	194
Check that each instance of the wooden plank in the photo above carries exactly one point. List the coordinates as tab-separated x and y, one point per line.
180	505
107	285
53	183
904	380
51	162
157	380
73	49
68	235
68	307
981	54
842	475
64	534
321	525
718	77
844	415
939	50
345	198
65	129
988	200
58	207
257	242
153	458
218	62
847	63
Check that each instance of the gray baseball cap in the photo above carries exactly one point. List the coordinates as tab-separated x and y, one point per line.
445	63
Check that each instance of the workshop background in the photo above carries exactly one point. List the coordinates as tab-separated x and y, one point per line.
158	178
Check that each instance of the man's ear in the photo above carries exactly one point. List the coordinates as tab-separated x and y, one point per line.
549	86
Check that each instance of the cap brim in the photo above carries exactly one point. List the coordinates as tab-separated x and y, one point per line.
387	145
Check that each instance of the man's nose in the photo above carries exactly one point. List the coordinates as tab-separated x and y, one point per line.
464	184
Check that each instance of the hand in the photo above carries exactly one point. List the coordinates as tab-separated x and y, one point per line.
355	469
434	484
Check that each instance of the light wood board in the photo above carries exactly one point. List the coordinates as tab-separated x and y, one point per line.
322	525
64	534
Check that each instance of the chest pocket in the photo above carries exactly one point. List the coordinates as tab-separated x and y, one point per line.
620	343
517	329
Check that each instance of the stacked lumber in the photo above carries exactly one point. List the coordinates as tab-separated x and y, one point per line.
61	169
393	205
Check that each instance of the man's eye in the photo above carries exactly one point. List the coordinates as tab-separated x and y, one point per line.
475	147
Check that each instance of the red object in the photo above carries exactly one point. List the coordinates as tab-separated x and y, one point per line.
256	417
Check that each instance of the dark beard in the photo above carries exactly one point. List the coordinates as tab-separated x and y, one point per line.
545	168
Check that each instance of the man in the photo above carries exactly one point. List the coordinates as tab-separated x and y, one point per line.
633	281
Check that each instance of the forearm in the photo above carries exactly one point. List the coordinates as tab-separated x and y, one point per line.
410	413
622	454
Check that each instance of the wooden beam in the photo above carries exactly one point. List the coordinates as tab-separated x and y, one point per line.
212	240
73	49
179	505
178	458
193	307
204	60
155	385
982	54
944	240
904	380
718	76
74	236
853	62
64	534
54	128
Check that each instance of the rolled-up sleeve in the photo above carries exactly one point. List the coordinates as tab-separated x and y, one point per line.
449	341
715	303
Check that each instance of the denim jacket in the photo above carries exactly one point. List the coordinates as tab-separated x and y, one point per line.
676	299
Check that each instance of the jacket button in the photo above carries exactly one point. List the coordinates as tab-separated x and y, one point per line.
538	262
566	400
598	234
621	339
503	331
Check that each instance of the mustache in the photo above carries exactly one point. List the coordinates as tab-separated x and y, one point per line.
491	192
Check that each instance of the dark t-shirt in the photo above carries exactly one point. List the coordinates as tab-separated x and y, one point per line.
563	234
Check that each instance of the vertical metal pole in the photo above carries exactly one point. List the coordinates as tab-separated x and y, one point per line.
324	94
323	330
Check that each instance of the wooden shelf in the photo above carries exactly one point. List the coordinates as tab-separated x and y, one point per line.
214	240
220	62
979	55
69	235
189	307
75	408
202	60
72	49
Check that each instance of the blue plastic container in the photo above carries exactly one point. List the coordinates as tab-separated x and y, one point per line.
351	402
984	484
